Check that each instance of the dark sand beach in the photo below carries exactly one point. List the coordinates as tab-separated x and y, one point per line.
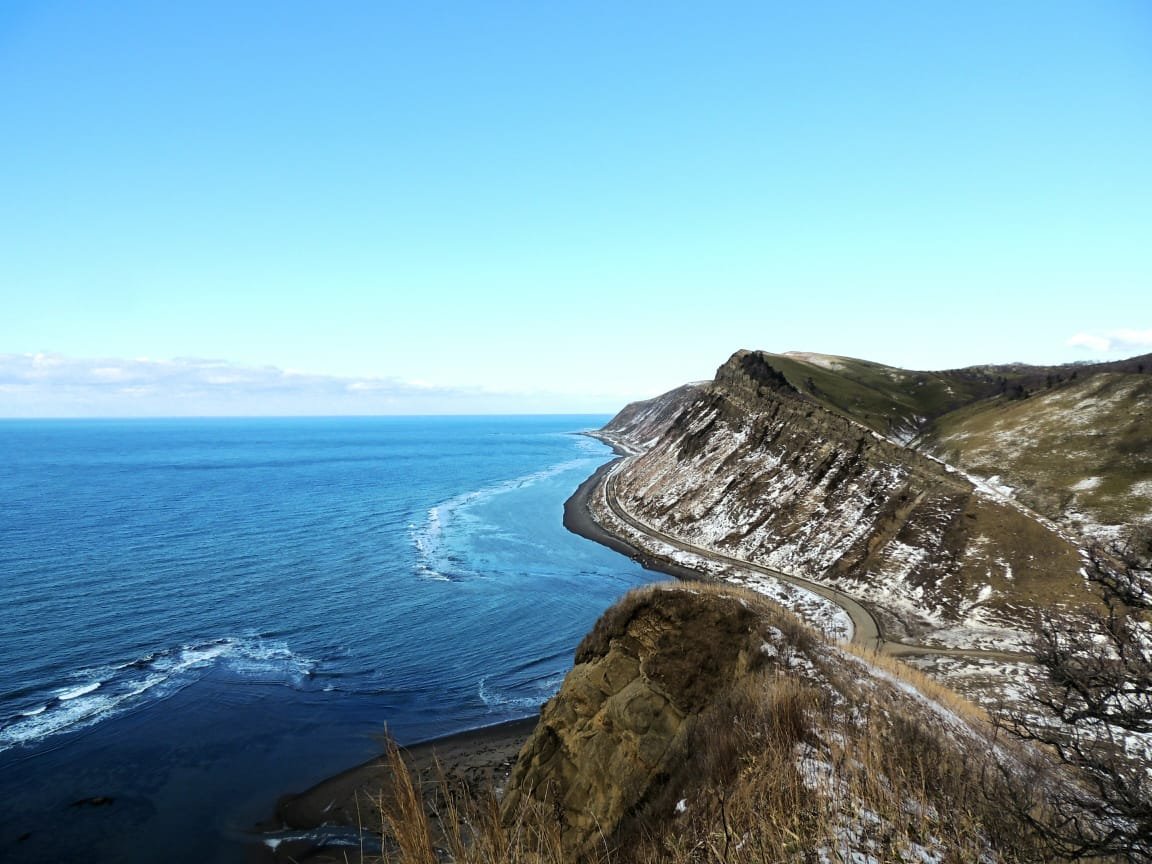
578	520
321	824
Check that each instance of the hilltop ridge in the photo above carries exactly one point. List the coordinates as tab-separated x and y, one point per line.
1073	441
757	467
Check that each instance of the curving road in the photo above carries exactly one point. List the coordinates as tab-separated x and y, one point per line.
866	630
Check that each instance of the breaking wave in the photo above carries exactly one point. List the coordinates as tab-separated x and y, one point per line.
526	695
433	559
100	693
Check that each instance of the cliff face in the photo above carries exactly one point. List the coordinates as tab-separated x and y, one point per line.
642	423
701	722
1073	442
752	467
608	742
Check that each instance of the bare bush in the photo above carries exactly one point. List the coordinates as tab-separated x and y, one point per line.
1096	715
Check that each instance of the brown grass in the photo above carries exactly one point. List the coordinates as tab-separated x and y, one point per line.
786	768
931	688
890	782
597	640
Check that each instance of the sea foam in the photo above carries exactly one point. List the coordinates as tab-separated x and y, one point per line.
105	692
433	561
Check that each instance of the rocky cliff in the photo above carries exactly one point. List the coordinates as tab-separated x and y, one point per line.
642	423
702	723
1072	442
754	467
621	724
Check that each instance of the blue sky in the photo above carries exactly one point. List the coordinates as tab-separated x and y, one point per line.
300	207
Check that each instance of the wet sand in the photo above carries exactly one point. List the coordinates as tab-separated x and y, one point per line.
578	520
349	800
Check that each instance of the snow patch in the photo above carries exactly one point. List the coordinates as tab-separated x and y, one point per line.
821	360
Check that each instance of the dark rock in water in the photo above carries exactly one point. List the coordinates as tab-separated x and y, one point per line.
94	801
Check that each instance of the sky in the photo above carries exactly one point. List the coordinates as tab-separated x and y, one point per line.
461	207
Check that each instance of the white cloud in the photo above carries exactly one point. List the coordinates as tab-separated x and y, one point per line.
108	373
1133	340
365	386
45	385
1122	341
1090	342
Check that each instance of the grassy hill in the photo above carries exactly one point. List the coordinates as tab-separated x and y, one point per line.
1074	441
1081	451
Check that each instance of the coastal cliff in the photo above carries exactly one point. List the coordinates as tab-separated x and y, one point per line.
701	722
622	723
753	468
704	723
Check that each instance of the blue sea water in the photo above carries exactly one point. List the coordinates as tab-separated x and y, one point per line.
200	615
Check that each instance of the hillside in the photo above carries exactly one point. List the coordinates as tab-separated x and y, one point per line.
753	468
703	723
1073	442
1080	452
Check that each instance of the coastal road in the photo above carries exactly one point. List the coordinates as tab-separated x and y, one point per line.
866	630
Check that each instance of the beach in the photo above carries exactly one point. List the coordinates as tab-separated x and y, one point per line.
322	823
578	519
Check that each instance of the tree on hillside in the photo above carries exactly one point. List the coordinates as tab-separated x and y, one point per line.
1096	713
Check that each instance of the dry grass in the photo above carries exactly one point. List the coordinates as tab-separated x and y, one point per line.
596	641
782	772
776	773
820	762
430	820
930	688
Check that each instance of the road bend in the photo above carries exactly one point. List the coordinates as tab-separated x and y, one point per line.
866	629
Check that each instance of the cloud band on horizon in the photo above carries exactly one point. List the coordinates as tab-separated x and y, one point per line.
55	385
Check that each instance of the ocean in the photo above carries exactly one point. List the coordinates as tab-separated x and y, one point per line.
201	615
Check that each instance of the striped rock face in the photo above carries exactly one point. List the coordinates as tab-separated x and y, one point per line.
752	467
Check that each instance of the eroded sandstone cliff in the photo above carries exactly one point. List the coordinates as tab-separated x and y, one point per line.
619	727
702	722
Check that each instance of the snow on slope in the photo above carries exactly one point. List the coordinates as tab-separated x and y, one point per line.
783	483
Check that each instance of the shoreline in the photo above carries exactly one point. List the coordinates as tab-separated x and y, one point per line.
473	757
482	757
324	821
579	521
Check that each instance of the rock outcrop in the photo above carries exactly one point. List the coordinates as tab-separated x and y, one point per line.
642	423
702	722
608	741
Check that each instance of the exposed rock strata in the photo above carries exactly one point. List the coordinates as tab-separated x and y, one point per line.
752	468
644	422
